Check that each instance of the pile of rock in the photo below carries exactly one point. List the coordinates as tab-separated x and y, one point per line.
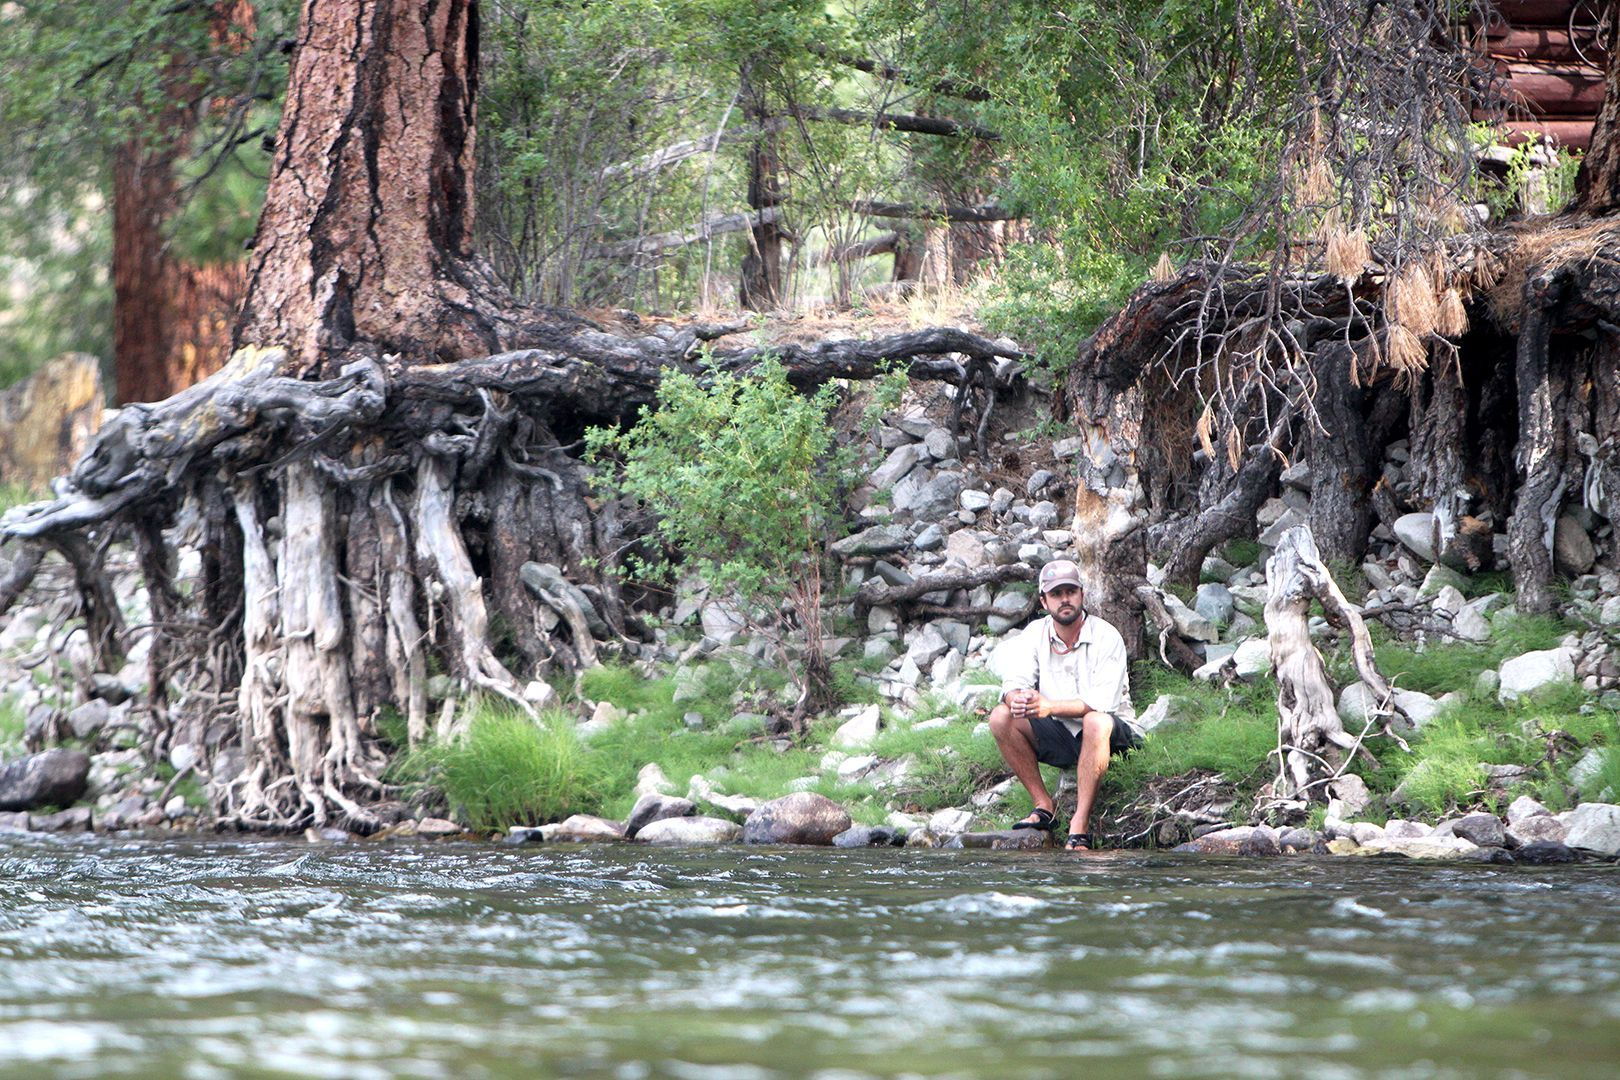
1530	833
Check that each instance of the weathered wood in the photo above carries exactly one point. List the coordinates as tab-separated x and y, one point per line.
877	593
916	125
22	564
1311	740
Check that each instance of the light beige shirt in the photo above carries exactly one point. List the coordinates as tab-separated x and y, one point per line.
1097	670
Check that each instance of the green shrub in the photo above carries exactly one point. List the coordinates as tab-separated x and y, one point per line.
1443	771
1231	732
1241	553
743	473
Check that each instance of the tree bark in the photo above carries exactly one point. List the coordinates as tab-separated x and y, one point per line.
1341	461
366	235
1538	458
1597	185
760	287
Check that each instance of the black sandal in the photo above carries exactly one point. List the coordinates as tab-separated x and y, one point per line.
1078	841
1044	821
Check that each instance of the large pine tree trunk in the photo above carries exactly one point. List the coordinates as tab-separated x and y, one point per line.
366	237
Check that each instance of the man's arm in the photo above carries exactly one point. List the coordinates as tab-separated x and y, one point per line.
1017	665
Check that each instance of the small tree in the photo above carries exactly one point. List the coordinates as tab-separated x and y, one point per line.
742	472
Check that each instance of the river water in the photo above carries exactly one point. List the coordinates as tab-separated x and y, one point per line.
201	958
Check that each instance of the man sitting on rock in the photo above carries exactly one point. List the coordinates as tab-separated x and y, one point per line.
1067	700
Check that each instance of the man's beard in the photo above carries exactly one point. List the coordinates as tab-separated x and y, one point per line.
1069	619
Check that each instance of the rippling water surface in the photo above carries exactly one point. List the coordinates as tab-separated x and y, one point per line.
179	958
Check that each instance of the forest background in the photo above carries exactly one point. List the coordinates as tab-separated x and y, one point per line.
621	146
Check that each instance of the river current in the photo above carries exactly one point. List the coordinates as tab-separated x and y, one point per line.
203	958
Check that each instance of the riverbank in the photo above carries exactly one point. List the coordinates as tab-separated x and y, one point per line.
1492	709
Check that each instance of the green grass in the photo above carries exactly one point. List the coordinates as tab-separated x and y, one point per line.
1241	553
1441	669
12	725
15	494
1231	732
510	770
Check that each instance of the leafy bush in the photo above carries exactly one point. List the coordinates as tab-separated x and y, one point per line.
743	475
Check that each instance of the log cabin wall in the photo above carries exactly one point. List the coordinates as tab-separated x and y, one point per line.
1550	60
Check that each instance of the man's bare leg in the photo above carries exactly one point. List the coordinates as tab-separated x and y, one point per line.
1097	730
1016	742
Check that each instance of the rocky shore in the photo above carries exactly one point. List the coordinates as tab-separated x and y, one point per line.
937	567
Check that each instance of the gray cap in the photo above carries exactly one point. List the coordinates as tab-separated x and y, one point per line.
1059	572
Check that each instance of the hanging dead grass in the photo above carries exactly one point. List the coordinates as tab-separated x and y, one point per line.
1404	351
1347	252
1409	300
1452	315
1315	183
1163	270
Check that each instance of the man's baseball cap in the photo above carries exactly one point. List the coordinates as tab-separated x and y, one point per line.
1059	572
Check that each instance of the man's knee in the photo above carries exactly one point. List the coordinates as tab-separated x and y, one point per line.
1001	721
1097	728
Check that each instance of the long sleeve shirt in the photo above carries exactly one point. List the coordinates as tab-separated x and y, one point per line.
1096	670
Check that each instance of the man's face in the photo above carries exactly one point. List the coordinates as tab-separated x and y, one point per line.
1063	604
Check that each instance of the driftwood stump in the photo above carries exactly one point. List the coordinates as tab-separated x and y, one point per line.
1312	743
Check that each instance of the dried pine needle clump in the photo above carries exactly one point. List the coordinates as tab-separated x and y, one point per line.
1347	250
1409	300
1164	269
1404	351
1452	317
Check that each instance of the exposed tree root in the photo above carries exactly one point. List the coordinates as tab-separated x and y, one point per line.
380	518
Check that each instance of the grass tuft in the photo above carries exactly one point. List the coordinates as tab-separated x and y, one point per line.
511	770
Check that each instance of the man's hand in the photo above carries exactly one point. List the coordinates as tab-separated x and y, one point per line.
1027	703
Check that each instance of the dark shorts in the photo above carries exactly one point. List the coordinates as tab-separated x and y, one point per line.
1055	746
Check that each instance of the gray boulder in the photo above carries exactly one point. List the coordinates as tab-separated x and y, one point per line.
1482	829
1594	827
1524	808
803	817
900	462
675	831
88	719
1572	548
878	540
940	444
1545	853
1416	534
928	497
857	836
1243	840
653	807
75	819
1539	829
1359	703
583	829
1189	623
1002	840
1528	672
1215	603
50	778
